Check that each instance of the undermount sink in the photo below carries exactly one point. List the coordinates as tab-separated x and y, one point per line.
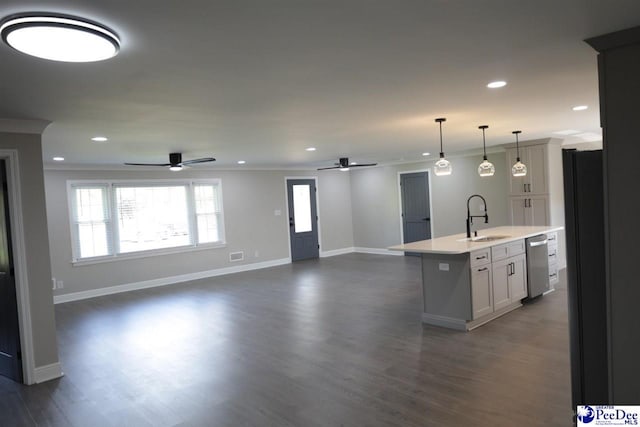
482	238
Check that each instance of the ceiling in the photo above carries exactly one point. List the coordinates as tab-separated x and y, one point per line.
261	80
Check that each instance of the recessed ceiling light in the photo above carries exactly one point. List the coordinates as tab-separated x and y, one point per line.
497	84
426	154
99	139
311	149
580	107
241	162
58	159
59	37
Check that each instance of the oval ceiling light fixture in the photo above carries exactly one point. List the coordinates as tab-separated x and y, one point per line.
426	154
58	159
99	139
486	168
519	168
310	149
580	107
241	162
59	37
497	84
443	166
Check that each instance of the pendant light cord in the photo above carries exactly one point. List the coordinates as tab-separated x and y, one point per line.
516	132
440	123
484	144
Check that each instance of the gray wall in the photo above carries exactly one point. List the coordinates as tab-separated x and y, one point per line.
376	203
250	199
36	244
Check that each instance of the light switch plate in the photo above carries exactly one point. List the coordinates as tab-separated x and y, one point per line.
443	266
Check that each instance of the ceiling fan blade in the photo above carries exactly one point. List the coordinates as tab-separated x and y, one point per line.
148	164
362	164
202	160
332	167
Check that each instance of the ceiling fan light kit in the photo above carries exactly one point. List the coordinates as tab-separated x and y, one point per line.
486	168
443	166
59	37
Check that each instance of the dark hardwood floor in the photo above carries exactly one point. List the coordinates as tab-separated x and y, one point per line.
330	342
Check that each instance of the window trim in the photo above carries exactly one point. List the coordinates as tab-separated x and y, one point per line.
112	232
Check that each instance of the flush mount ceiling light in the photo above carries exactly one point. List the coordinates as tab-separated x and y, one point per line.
519	168
99	139
486	168
580	107
442	166
59	37
241	162
497	84
311	149
426	154
58	159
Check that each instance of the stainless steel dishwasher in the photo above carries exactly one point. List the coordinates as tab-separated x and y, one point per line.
537	265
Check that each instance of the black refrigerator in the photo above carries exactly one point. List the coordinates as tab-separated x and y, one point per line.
586	286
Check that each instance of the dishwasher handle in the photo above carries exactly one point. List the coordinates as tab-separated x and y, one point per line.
539	243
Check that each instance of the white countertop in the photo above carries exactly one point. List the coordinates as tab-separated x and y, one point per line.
453	245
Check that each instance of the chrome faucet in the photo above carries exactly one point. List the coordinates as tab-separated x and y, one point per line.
470	217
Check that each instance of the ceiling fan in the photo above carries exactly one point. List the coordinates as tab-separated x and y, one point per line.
344	165
175	162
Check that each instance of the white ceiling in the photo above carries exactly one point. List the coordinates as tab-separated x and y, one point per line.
260	80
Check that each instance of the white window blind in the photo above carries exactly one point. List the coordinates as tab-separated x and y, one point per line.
120	218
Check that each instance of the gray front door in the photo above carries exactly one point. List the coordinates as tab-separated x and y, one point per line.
10	360
303	219
416	217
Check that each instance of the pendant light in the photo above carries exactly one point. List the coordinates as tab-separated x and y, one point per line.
486	168
442	166
519	168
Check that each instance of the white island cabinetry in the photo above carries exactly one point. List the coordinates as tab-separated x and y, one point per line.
468	283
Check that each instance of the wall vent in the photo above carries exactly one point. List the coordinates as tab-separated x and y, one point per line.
236	256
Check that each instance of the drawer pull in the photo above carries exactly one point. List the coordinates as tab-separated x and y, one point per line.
481	257
552	238
483	269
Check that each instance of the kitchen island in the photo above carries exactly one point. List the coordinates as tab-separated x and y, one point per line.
468	282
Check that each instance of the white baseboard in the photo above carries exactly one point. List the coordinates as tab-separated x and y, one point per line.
47	373
334	252
377	251
164	281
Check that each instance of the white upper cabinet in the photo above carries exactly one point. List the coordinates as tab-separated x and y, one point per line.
535	181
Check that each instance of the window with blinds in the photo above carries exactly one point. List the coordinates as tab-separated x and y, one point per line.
115	219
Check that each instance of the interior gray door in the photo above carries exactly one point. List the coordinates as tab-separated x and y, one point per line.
303	219
416	220
10	358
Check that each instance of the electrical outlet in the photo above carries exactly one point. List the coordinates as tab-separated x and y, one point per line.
60	284
443	266
277	212
53	279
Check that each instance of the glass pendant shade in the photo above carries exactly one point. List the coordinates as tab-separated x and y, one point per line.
486	168
442	167
519	168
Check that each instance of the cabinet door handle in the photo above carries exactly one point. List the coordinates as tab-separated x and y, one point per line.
529	188
481	257
524	186
482	269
